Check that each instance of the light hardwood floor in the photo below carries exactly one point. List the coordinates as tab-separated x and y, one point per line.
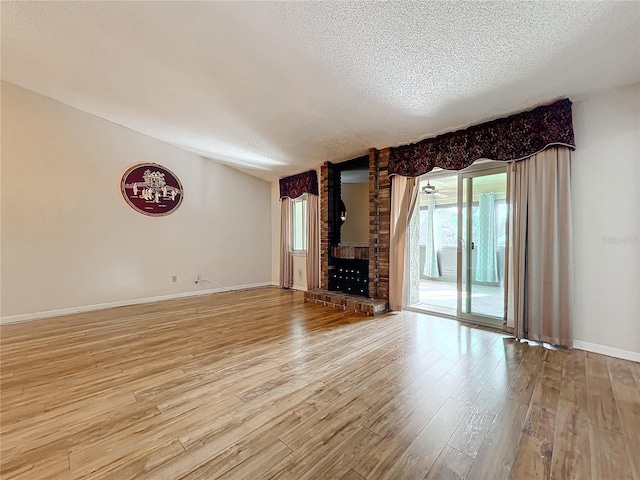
257	384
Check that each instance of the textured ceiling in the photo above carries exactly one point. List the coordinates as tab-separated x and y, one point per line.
275	88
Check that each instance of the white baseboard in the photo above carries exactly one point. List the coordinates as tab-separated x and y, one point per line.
25	317
293	287
606	350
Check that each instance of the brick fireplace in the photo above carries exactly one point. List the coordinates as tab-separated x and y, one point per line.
355	277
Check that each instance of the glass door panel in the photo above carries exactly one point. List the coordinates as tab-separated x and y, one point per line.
483	225
457	245
435	268
464	301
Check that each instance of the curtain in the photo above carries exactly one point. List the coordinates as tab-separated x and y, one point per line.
297	185
486	258
431	268
515	137
313	242
404	194
286	259
412	266
539	293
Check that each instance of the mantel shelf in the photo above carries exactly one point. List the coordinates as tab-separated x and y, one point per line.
350	252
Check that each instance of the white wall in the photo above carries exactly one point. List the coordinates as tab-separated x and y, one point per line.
606	222
275	233
69	239
300	272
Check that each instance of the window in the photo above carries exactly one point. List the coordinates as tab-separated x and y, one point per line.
445	221
299	227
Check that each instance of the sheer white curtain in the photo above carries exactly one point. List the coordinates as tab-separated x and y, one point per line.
539	305
412	260
313	242
286	258
404	194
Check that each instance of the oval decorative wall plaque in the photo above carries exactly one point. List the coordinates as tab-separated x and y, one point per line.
151	189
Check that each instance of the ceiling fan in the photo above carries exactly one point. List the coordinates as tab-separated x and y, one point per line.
429	189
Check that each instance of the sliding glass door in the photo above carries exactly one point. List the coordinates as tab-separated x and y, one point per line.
438	243
481	248
462	231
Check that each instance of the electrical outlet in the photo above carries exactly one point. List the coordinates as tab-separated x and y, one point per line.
174	278
299	273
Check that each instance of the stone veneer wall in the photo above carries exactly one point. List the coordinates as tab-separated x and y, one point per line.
327	191
368	306
379	222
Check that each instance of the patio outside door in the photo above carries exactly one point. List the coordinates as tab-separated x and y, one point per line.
458	254
482	225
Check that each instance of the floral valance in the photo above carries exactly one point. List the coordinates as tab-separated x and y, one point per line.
512	138
296	185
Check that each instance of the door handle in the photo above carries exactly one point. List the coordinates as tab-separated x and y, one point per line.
461	244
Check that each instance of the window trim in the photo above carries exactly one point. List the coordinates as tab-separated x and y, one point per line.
294	201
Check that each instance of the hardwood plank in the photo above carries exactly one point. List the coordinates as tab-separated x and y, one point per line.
451	464
603	410
85	430
340	460
470	434
137	466
254	445
571	447
225	451
242	420
433	379
477	378
339	420
48	466
93	454
627	397
498	451
608	454
258	384
254	466
352	475
541	418
405	430
418	458
533	459
521	389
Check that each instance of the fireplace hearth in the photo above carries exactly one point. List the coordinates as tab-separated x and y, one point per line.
358	271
